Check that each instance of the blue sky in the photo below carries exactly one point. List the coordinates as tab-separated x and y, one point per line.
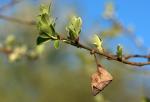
129	12
137	13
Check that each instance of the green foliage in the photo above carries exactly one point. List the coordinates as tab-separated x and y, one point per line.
10	40
16	50
119	51
17	53
44	9
97	41
74	27
45	24
46	27
40	40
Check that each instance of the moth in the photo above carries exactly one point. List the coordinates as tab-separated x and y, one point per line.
100	79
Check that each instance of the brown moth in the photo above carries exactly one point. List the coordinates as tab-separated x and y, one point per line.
100	79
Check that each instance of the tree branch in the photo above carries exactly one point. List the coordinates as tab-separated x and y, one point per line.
136	56
125	58
5	50
17	20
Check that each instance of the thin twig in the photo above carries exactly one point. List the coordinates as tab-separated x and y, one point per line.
136	56
114	57
12	3
109	56
17	20
96	59
5	50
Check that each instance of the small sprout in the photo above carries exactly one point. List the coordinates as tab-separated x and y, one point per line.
56	44
119	51
44	9
13	57
17	53
10	40
45	25
97	41
74	28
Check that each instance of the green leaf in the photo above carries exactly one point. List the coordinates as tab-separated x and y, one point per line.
41	40
56	44
74	27
10	40
44	35
45	25
53	33
119	51
44	9
45	18
97	41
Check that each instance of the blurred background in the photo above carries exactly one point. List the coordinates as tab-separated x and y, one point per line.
30	73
